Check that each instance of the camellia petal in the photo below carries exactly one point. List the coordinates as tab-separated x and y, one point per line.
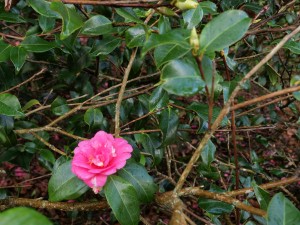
99	157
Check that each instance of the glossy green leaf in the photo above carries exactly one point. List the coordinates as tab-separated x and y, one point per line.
174	37
7	122
10	105
281	211
135	36
208	153
215	207
152	145
228	87
46	23
273	75
193	17
93	117
59	106
159	98
64	185
47	155
11	18
143	183
262	196
105	46
181	78
224	30
18	57
129	15
36	44
71	20
31	103
166	53
293	46
23	216
123	200
97	25
4	51
208	7
168	123
202	111
43	7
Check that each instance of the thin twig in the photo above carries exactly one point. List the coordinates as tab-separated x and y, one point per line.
52	147
26	81
121	92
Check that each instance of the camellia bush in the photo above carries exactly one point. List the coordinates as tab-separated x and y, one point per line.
149	112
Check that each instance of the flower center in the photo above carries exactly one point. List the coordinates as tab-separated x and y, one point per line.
97	161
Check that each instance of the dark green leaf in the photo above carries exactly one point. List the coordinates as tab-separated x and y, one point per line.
224	30
11	18
93	117
105	46
181	78
10	105
129	15
262	196
36	44
59	106
31	103
135	36
174	37
23	216
273	75
158	99
228	87
193	17
202	111
208	153
4	51
293	46
18	57
123	200
7	122
43	7
214	206
208	7
143	183
97	25
151	144
168	123
71	20
46	23
64	185
166	53
281	211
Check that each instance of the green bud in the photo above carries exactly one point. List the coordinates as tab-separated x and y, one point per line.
194	41
166	11
185	5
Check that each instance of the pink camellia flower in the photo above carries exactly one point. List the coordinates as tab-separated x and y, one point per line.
99	157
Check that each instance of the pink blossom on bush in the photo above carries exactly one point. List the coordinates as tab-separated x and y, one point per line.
95	159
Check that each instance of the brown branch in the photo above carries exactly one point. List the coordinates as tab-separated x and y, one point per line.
275	184
64	206
139	4
26	81
121	92
271	30
52	147
264	105
264	97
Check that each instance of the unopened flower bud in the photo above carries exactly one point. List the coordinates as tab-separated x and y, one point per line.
166	11
185	5
194	41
